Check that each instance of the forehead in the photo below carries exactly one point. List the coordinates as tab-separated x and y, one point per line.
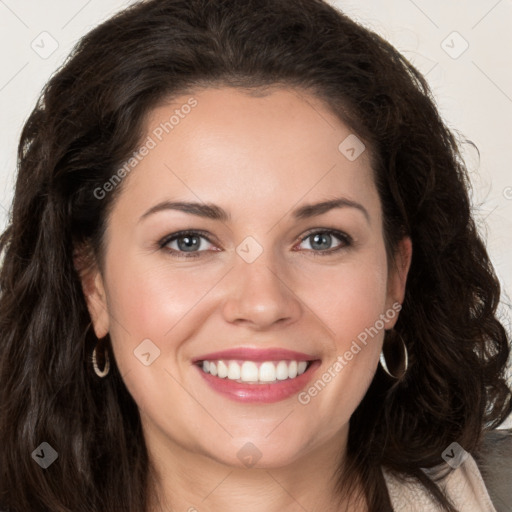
225	145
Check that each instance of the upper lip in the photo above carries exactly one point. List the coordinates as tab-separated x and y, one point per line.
256	354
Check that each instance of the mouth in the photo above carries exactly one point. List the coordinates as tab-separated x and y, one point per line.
251	375
254	372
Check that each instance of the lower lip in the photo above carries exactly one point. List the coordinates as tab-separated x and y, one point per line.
260	393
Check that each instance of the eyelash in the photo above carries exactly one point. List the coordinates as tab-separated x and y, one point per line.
346	241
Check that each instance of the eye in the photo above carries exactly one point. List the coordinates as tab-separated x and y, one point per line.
190	244
320	241
184	244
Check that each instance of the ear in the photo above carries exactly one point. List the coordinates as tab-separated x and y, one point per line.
94	291
397	275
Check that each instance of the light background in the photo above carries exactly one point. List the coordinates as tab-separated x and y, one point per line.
463	48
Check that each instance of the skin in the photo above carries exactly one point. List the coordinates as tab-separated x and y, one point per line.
258	158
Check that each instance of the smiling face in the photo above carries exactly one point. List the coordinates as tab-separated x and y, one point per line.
256	272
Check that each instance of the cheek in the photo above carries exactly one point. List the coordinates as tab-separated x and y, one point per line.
152	311
160	300
154	299
156	308
352	310
348	298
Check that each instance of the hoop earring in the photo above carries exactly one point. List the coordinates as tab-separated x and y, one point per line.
405	359
106	368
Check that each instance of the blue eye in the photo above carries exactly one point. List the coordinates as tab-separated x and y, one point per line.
189	244
321	240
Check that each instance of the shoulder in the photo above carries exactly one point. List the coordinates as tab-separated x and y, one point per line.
463	485
494	459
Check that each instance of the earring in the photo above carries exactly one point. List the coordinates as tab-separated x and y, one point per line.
405	360
106	367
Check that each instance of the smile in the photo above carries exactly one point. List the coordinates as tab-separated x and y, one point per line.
257	375
255	372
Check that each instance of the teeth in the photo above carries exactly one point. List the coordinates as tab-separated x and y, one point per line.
292	370
267	372
249	371
233	371
282	370
222	370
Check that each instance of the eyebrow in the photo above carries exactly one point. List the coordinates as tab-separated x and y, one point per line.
214	212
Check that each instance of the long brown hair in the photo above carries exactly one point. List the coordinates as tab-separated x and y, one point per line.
90	119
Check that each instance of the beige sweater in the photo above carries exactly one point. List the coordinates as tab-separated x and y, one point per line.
464	486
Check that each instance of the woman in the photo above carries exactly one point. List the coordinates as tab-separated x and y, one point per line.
242	273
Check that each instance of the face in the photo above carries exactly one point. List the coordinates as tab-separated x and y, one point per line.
261	280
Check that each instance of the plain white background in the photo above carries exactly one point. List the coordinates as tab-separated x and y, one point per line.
463	48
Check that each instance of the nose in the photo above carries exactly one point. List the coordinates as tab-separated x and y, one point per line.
260	295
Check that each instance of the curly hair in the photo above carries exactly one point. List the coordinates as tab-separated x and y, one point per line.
89	120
